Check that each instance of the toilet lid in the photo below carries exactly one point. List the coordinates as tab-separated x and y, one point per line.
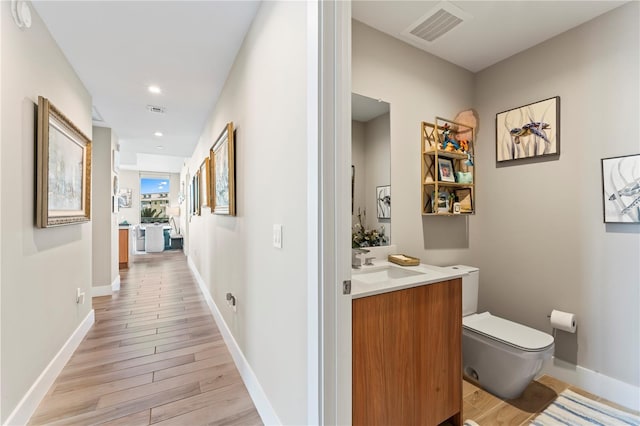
511	333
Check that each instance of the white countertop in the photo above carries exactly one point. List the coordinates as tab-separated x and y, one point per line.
384	277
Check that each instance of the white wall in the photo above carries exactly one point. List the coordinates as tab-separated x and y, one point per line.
265	98
40	269
418	86
539	237
105	231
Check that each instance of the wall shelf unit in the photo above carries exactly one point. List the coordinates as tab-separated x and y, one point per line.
448	174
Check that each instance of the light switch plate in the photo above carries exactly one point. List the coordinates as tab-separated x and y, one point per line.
277	236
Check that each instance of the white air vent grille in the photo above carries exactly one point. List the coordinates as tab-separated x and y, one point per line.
438	21
156	109
436	25
95	115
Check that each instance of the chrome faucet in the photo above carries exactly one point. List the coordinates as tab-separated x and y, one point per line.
356	262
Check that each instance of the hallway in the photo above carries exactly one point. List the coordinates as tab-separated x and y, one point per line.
153	356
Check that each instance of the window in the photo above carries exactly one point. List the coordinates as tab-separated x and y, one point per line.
154	200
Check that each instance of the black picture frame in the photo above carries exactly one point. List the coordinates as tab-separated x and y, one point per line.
621	189
446	171
529	132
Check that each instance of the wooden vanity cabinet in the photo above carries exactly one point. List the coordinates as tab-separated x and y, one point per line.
407	356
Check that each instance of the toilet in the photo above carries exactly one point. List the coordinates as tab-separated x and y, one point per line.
501	355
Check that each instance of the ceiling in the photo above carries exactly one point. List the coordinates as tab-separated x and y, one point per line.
186	48
365	109
119	48
491	30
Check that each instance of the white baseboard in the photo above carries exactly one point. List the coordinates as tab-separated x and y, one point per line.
603	386
106	290
33	397
260	400
103	290
115	285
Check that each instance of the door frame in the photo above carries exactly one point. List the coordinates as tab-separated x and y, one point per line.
329	219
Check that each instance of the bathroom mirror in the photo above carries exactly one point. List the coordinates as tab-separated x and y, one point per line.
371	171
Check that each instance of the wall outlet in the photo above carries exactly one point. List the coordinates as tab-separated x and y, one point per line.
277	236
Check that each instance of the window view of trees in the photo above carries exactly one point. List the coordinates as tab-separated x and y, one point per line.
154	200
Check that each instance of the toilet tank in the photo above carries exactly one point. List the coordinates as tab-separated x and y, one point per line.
470	284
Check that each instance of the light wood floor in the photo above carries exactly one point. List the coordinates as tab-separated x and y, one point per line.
488	410
153	356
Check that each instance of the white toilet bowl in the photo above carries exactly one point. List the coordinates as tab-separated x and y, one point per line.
501	355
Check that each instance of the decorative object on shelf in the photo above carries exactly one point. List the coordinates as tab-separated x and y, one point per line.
362	237
529	131
125	198
446	172
621	189
383	201
464	198
223	173
63	164
464	177
456	208
442	202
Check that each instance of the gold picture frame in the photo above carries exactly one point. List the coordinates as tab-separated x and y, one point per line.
222	154
205	183
63	169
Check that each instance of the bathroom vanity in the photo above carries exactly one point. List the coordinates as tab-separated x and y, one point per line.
407	355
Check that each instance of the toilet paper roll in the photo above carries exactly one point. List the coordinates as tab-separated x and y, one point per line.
564	321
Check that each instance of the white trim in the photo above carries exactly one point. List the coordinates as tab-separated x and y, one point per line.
115	285
335	211
598	384
103	290
30	401
314	314
106	290
259	397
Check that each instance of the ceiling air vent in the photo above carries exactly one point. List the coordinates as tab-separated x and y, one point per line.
439	21
156	109
95	115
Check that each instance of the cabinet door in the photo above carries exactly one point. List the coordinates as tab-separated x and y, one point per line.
123	247
438	311
383	359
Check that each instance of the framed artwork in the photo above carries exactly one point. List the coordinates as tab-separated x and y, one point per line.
446	173
529	131
353	184
621	189
222	155
383	201
125	198
63	169
205	183
196	193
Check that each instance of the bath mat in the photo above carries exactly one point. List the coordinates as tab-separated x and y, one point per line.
569	408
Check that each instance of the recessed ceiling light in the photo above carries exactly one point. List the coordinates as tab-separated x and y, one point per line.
154	89
158	134
159	147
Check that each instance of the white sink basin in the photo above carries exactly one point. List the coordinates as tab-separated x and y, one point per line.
384	277
385	274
